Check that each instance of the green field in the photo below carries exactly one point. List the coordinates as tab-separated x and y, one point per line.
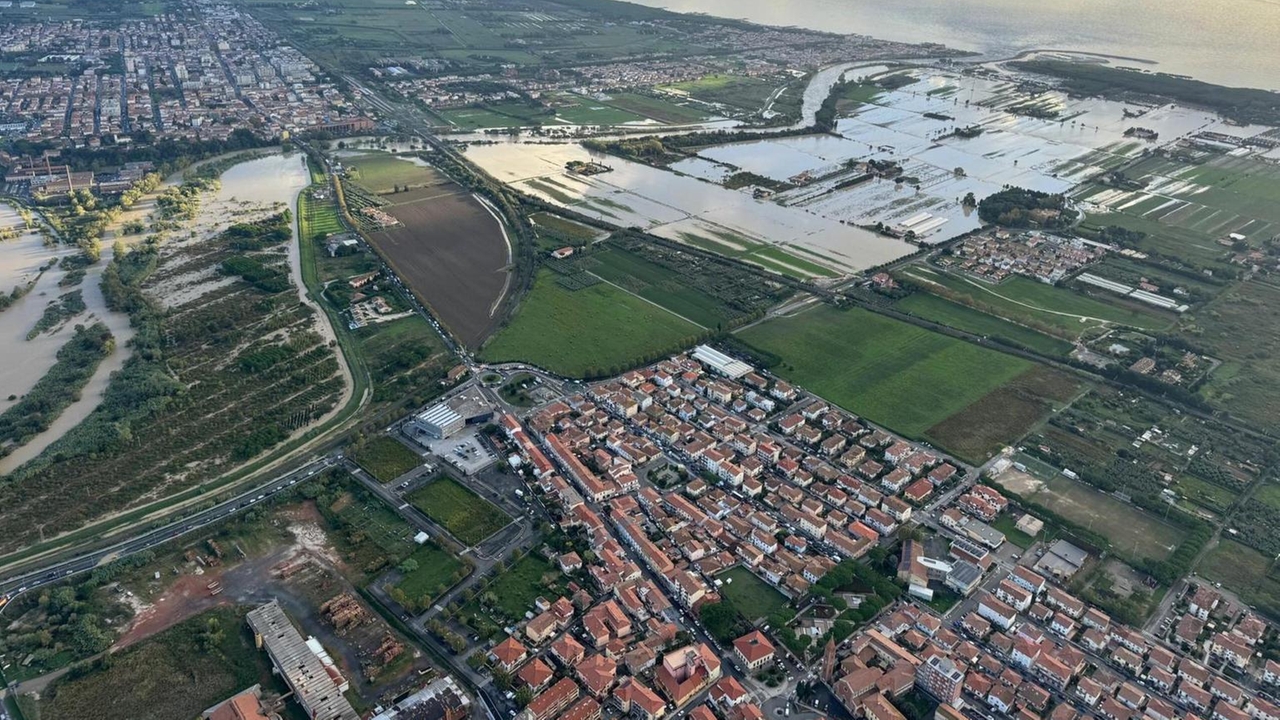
382	172
1205	494
385	458
317	217
657	284
1008	524
1242	327
406	359
1245	571
175	674
904	377
511	594
579	110
467	516
744	93
754	598
1037	305
498	115
437	570
664	111
931	307
1130	530
587	332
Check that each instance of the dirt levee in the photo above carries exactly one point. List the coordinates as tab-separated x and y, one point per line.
452	254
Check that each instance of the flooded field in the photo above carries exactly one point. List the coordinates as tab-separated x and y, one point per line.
681	207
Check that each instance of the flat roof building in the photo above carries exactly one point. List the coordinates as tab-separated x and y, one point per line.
721	363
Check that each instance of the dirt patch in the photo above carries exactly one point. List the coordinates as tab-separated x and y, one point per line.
1020	483
187	597
452	254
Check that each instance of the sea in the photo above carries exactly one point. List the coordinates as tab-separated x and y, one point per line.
1227	42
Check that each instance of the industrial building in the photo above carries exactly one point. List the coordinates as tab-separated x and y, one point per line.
448	418
441	700
721	363
316	686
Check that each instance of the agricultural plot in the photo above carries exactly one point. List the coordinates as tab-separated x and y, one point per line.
386	458
466	516
1242	327
382	173
317	218
1045	308
554	232
899	375
657	285
452	253
1246	572
1213	198
175	674
752	597
732	92
1003	415
591	332
931	307
663	110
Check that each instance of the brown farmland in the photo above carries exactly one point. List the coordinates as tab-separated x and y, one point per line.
451	254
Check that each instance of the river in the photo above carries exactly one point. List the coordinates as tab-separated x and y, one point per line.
1229	42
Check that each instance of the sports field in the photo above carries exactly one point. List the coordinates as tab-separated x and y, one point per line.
386	458
899	375
587	332
383	172
931	307
1130	530
466	515
754	598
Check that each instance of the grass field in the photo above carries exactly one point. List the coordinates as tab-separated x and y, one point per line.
657	284
754	598
931	307
1242	327
663	111
171	675
467	516
895	374
1245	571
317	217
554	232
382	172
580	333
743	93
1036	304
580	110
405	358
437	571
386	458
1130	530
1008	524
498	115
1003	415
1205	494
513	591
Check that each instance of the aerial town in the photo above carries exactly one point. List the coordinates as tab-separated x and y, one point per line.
587	360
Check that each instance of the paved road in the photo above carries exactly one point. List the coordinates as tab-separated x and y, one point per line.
55	572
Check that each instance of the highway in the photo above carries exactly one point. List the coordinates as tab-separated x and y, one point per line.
17	584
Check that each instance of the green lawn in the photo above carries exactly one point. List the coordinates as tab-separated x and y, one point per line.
754	598
594	331
931	307
386	458
1008	524
466	515
437	571
171	675
657	284
381	172
317	217
895	374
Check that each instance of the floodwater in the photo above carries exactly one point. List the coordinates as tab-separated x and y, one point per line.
260	183
1230	42
679	206
26	361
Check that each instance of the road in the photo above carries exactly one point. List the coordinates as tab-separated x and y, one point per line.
57	571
